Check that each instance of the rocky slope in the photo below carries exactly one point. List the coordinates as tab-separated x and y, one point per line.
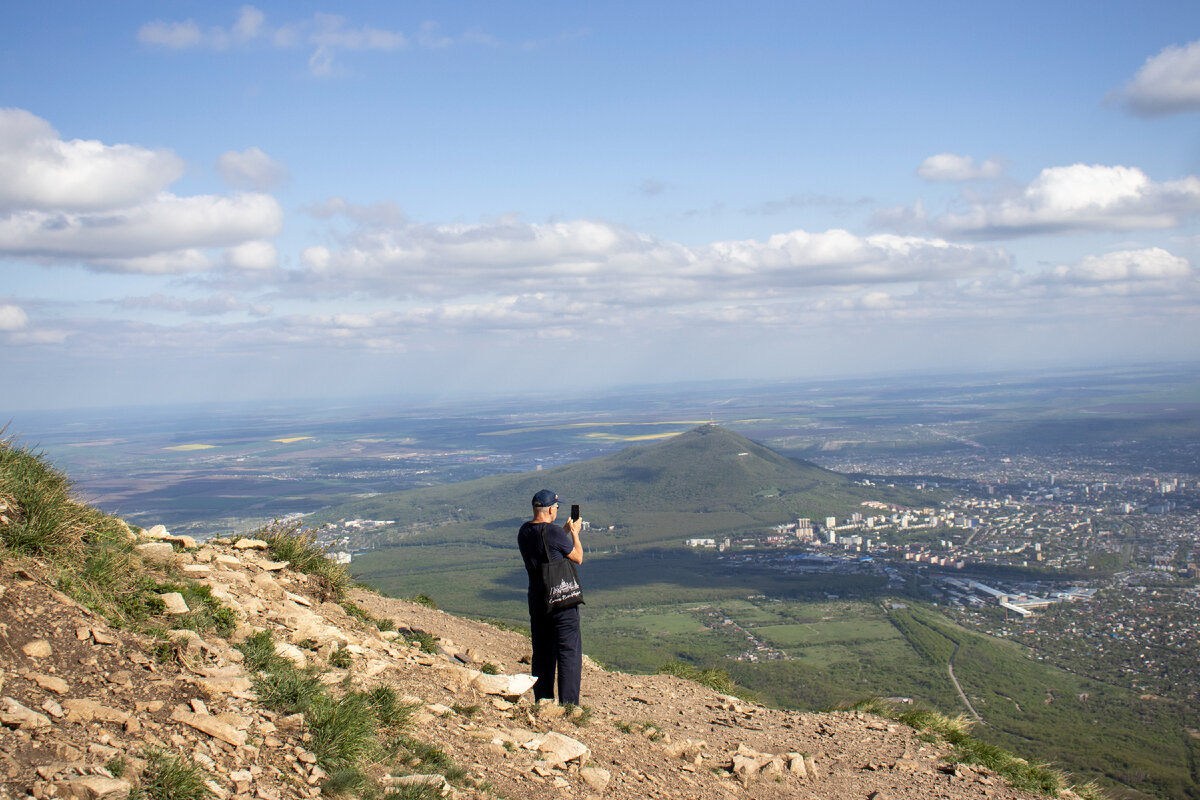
83	704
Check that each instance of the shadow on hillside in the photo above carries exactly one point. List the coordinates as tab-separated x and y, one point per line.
665	576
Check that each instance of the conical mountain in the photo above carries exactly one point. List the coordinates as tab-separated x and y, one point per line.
704	480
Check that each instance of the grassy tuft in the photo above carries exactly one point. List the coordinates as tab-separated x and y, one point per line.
173	777
427	641
344	732
716	679
413	793
341	659
363	616
349	780
423	600
90	552
289	541
580	715
425	758
955	731
260	655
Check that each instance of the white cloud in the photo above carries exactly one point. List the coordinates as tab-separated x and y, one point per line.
199	307
1167	83
172	35
144	237
251	169
327	34
258	255
187	34
175	262
12	318
249	24
38	170
616	265
951	167
1080	197
106	205
1150	265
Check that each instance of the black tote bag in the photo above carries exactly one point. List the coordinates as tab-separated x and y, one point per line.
561	581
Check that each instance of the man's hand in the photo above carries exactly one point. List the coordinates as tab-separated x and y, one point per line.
573	526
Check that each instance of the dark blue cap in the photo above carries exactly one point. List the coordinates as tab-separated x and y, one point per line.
544	499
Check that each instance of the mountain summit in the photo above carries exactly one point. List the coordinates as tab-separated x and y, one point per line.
706	470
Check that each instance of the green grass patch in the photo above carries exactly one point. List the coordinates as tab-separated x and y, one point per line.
297	545
716	679
172	777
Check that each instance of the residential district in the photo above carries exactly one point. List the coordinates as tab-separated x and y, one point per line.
1098	576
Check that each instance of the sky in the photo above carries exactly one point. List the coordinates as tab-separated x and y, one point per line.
205	201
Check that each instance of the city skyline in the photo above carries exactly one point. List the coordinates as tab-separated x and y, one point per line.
239	202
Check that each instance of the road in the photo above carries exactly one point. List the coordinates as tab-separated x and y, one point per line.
961	693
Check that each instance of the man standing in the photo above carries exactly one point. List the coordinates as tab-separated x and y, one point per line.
557	641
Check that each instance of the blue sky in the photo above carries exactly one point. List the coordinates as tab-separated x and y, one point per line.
211	201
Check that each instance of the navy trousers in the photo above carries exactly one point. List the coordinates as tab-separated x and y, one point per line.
557	645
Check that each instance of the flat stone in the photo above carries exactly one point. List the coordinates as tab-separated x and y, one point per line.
250	544
15	715
509	686
298	599
81	710
596	779
273	566
214	727
50	683
155	552
101	637
38	648
156	532
267	587
94	787
560	749
175	603
291	653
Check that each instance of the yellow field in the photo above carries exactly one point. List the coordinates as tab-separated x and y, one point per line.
508	431
645	437
181	448
291	439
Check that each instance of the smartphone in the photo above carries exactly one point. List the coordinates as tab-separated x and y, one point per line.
575	512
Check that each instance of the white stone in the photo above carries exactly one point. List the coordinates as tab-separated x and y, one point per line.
291	653
175	603
155	552
560	749
508	686
250	544
597	779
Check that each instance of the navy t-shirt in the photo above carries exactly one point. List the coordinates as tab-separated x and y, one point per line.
529	539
